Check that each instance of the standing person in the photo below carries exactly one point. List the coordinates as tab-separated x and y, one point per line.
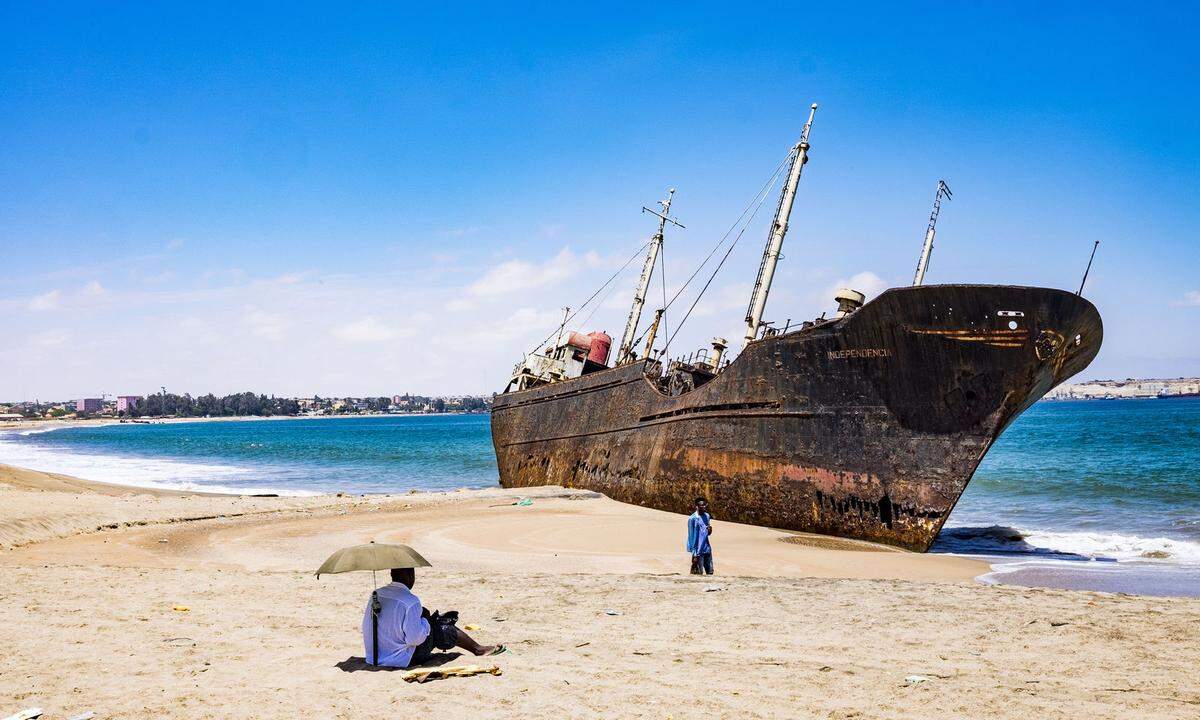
699	529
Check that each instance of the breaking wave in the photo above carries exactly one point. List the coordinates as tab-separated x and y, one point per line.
1047	545
159	473
38	431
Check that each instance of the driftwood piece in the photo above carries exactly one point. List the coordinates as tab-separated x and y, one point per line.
421	675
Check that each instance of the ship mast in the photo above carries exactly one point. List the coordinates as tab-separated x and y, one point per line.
943	190
624	354
766	271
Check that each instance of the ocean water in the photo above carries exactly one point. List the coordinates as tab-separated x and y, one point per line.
1098	495
1089	494
374	454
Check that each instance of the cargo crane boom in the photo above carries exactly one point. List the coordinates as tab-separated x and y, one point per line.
625	352
943	190
779	227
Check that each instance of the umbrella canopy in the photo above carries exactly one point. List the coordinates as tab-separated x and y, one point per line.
372	556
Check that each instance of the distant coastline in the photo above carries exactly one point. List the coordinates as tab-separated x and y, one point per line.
45	424
1129	388
238	406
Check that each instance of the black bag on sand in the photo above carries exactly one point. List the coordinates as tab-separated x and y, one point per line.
696	570
444	630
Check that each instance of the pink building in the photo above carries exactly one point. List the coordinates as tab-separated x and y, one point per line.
128	403
90	405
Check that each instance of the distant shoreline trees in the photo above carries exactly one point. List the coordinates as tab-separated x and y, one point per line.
239	404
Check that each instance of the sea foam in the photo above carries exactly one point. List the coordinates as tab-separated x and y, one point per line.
1066	545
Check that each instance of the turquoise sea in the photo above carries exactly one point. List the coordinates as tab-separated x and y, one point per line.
368	454
1083	494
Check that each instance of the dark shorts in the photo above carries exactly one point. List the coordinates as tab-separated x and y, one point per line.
443	635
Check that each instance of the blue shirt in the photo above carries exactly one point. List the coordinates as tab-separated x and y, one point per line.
697	540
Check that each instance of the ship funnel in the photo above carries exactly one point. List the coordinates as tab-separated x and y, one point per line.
848	301
718	345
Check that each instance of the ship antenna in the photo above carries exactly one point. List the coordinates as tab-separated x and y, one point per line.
943	190
624	354
562	326
1089	268
766	271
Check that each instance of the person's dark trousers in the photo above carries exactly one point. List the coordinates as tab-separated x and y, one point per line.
705	563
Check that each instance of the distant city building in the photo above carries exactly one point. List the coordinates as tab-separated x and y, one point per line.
89	405
128	403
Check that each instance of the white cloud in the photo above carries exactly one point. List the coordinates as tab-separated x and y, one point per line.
367	330
720	300
1191	298
271	326
515	275
348	334
51	338
621	295
175	243
198	331
48	301
94	289
525	323
866	282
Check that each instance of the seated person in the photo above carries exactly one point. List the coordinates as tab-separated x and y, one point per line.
408	633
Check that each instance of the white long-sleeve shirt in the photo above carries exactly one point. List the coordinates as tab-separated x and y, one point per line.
401	627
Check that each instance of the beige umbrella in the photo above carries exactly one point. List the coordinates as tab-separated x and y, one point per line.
372	556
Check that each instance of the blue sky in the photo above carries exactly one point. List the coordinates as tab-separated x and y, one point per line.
299	199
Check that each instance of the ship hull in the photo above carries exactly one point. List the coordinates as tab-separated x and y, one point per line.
869	427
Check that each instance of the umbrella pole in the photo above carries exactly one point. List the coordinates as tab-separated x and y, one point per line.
375	608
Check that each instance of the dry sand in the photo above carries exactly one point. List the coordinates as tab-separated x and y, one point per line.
806	628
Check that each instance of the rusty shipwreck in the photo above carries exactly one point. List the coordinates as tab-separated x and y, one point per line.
867	425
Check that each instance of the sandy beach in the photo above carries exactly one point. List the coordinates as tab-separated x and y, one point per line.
792	626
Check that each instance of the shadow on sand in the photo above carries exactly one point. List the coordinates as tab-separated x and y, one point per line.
359	664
